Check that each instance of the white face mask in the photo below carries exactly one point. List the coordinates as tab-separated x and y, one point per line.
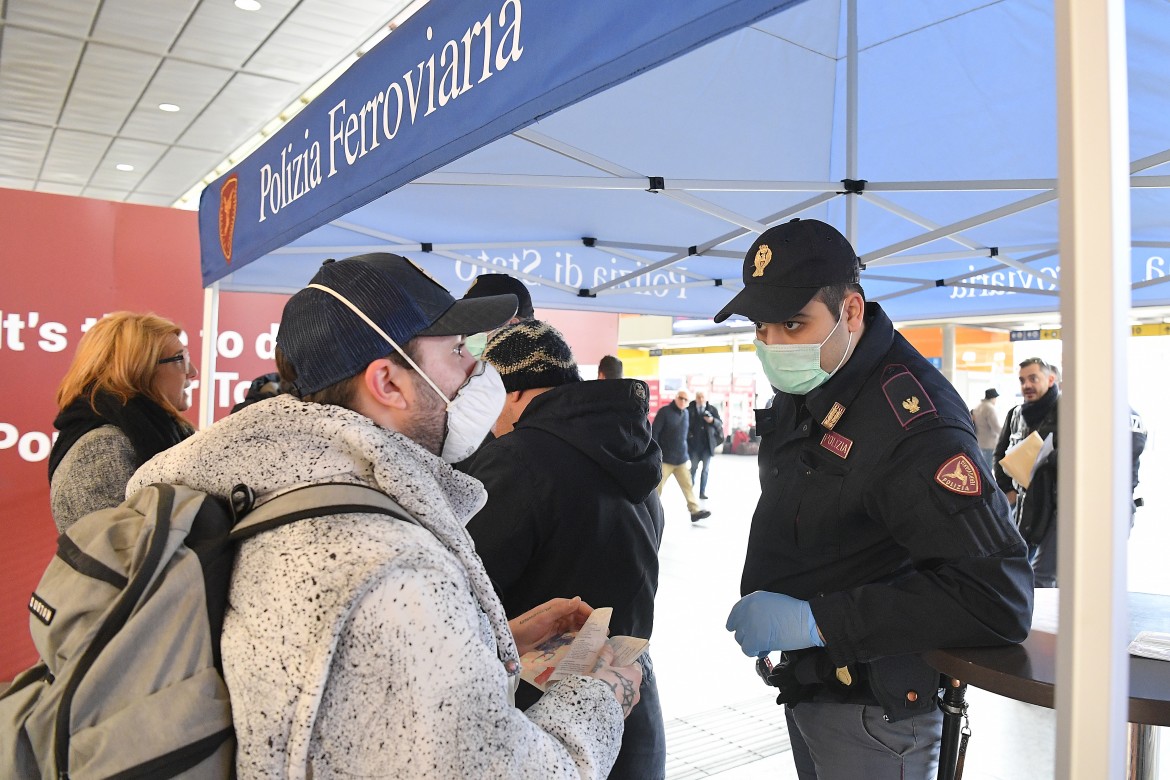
473	410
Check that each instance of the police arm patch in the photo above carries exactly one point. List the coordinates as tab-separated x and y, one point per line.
960	475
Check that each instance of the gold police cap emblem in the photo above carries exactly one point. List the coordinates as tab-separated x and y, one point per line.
763	257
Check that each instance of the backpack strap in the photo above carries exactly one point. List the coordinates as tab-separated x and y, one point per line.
317	501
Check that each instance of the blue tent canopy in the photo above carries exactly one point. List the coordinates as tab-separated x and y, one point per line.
622	158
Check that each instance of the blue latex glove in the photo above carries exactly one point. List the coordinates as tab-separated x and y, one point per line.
764	621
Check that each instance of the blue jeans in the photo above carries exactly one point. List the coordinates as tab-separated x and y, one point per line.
849	741
706	461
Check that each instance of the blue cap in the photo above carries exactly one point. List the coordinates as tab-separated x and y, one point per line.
326	342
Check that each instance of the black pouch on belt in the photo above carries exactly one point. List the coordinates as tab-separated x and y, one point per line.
904	685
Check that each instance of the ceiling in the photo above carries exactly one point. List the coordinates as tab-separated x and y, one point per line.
81	82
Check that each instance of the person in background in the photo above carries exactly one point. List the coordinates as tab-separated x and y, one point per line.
1138	435
670	431
263	387
498	284
704	435
360	645
879	533
572	507
119	404
987	425
1036	511
609	368
1035	507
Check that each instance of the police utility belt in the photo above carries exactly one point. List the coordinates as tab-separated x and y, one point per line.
903	685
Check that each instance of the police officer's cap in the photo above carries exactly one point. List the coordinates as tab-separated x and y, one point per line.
785	267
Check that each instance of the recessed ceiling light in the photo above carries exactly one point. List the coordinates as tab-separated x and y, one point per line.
248	5
124	167
169	107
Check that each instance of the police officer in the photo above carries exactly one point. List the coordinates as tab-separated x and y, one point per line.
880	532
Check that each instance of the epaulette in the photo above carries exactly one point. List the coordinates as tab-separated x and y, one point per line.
906	395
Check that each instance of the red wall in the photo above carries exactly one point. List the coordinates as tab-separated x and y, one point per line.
64	260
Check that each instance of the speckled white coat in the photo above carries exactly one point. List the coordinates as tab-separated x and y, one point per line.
360	645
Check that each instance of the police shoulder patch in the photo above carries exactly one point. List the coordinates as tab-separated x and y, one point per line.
960	475
906	395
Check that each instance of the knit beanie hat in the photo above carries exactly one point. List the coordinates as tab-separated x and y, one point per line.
531	354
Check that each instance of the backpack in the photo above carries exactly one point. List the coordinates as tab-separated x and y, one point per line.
127	620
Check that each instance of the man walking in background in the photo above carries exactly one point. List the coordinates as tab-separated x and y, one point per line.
670	431
704	434
987	425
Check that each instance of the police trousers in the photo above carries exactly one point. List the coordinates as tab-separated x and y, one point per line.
848	741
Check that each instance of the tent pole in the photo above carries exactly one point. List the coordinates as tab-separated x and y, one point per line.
851	119
948	352
947	231
207	359
729	236
1092	664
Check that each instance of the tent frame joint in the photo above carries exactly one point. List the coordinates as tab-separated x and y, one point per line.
854	186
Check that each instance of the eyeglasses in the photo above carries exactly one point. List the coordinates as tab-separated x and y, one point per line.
183	357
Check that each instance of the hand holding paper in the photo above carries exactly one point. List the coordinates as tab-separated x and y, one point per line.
577	652
540	624
1021	461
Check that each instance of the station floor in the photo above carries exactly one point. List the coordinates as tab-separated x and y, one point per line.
722	721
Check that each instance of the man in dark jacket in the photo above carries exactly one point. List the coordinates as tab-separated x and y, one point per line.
704	434
671	426
572	509
1035	508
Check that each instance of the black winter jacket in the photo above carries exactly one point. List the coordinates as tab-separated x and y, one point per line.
572	503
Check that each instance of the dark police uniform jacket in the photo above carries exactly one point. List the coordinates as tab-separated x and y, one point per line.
879	510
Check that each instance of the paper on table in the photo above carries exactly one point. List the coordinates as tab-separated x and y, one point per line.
1151	644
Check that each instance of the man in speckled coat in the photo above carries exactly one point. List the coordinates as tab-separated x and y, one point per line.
359	644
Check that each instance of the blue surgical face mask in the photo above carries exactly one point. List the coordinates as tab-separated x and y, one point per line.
796	368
